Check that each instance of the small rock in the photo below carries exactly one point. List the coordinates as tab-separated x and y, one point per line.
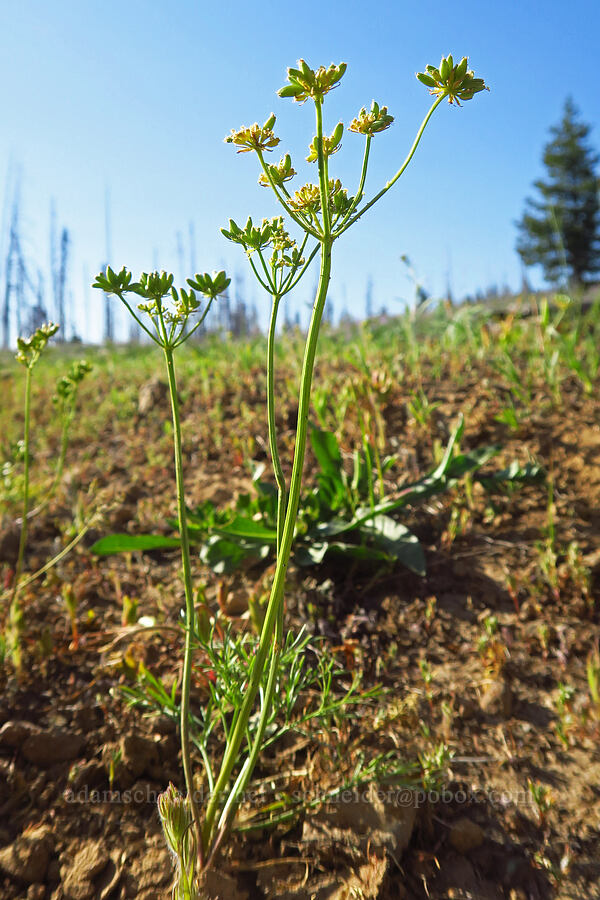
27	858
219	886
9	540
151	869
152	393
139	754
36	892
466	835
529	610
497	698
12	734
48	747
88	862
373	819
517	894
89	774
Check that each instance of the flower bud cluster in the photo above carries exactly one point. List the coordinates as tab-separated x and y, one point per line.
377	119
305	82
177	822
308	198
270	233
254	137
456	82
154	287
30	349
67	385
280	173
331	144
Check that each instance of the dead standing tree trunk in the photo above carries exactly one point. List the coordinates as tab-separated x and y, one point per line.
59	257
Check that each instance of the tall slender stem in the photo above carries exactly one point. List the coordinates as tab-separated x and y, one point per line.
189	601
26	445
235	740
279	476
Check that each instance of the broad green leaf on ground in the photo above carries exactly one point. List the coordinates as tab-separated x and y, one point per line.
130	543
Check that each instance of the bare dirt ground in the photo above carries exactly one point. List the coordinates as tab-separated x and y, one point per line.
472	657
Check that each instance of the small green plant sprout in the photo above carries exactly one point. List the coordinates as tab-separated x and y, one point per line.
427	676
29	351
542	798
129	610
70	600
565	718
65	399
178	828
593	679
434	765
490	646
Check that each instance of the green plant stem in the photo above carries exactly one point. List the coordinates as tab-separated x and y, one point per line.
64	442
235	740
26	443
237	793
279	476
189	601
400	171
323	174
56	559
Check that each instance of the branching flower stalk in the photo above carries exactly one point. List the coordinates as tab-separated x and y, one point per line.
168	329
29	351
323	212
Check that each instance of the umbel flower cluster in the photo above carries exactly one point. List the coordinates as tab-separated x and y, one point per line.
455	82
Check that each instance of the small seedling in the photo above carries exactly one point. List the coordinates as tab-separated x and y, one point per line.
491	647
70	600
427	676
543	800
29	351
129	613
593	678
565	723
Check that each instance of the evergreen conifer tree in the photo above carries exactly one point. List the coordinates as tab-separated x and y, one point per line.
561	230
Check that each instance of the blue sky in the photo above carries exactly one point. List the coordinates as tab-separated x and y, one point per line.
135	98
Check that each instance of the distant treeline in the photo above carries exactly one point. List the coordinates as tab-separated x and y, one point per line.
32	293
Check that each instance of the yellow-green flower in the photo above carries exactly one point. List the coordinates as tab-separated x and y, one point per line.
377	119
254	137
331	144
455	82
305	82
280	173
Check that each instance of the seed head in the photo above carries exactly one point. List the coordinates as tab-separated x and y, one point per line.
455	82
377	119
305	82
254	137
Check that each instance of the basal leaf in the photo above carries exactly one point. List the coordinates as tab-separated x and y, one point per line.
129	543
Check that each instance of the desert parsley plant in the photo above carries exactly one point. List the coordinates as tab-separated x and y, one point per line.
29	352
167	314
322	211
